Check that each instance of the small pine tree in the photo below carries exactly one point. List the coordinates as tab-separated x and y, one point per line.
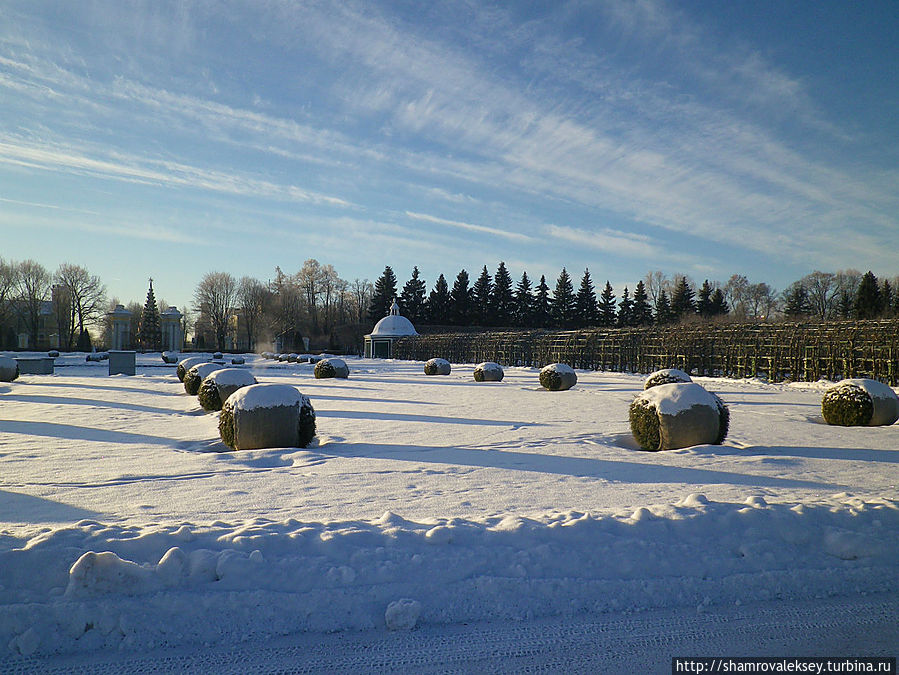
718	304
149	336
886	298
682	299
524	302
662	312
480	298
642	311
796	303
438	305
625	310
868	301
607	316
412	298
502	301
562	309
542	306
383	296
586	310
844	305
704	300
460	300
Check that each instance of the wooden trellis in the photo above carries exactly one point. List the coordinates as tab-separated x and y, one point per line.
773	351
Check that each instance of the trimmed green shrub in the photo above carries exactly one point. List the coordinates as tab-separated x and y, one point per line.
331	368
186	364
665	376
267	416
238	361
53	353
558	377
218	356
437	367
488	371
195	376
678	415
170	357
9	369
860	402
292	358
220	384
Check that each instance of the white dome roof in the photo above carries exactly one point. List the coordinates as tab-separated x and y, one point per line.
394	325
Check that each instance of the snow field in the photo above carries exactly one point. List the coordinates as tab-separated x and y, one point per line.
125	524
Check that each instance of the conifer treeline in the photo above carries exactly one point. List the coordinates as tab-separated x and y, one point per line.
495	301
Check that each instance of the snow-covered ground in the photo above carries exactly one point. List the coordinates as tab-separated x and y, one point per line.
426	503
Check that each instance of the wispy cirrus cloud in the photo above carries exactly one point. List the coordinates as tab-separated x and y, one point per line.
481	229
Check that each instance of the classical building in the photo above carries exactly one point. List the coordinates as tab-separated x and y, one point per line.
379	343
119	328
171	330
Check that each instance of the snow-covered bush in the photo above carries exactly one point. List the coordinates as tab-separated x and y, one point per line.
437	367
558	377
666	376
220	384
238	361
267	416
195	376
488	371
9	369
53	353
217	355
678	415
303	358
292	358
860	402
331	368
186	364
282	358
170	357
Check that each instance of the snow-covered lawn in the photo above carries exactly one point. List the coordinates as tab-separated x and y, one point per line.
125	524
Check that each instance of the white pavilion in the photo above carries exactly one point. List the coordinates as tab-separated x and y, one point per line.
379	343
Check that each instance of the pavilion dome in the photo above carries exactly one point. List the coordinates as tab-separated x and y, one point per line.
393	325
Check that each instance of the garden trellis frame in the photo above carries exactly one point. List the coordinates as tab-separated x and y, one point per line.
776	352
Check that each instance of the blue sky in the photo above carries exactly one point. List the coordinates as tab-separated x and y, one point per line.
172	139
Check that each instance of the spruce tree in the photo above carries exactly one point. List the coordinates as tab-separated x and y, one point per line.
625	310
662	311
383	296
412	299
542	313
562	308
438	305
796	303
586	313
844	305
502	301
886	298
149	336
642	311
524	302
607	317
704	300
682	299
480	298
868	301
460	300
718	304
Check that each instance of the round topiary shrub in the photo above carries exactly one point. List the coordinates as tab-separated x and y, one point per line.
558	377
666	376
217	355
282	358
186	364
238	361
267	416
220	384
678	415
331	368
170	357
437	367
860	402
195	376
9	369
488	371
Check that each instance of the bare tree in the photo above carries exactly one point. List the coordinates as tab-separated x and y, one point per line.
254	298
214	298
735	292
287	303
9	273
311	280
655	282
760	300
86	295
361	292
822	291
32	290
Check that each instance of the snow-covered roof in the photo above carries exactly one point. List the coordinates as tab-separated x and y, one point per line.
393	325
